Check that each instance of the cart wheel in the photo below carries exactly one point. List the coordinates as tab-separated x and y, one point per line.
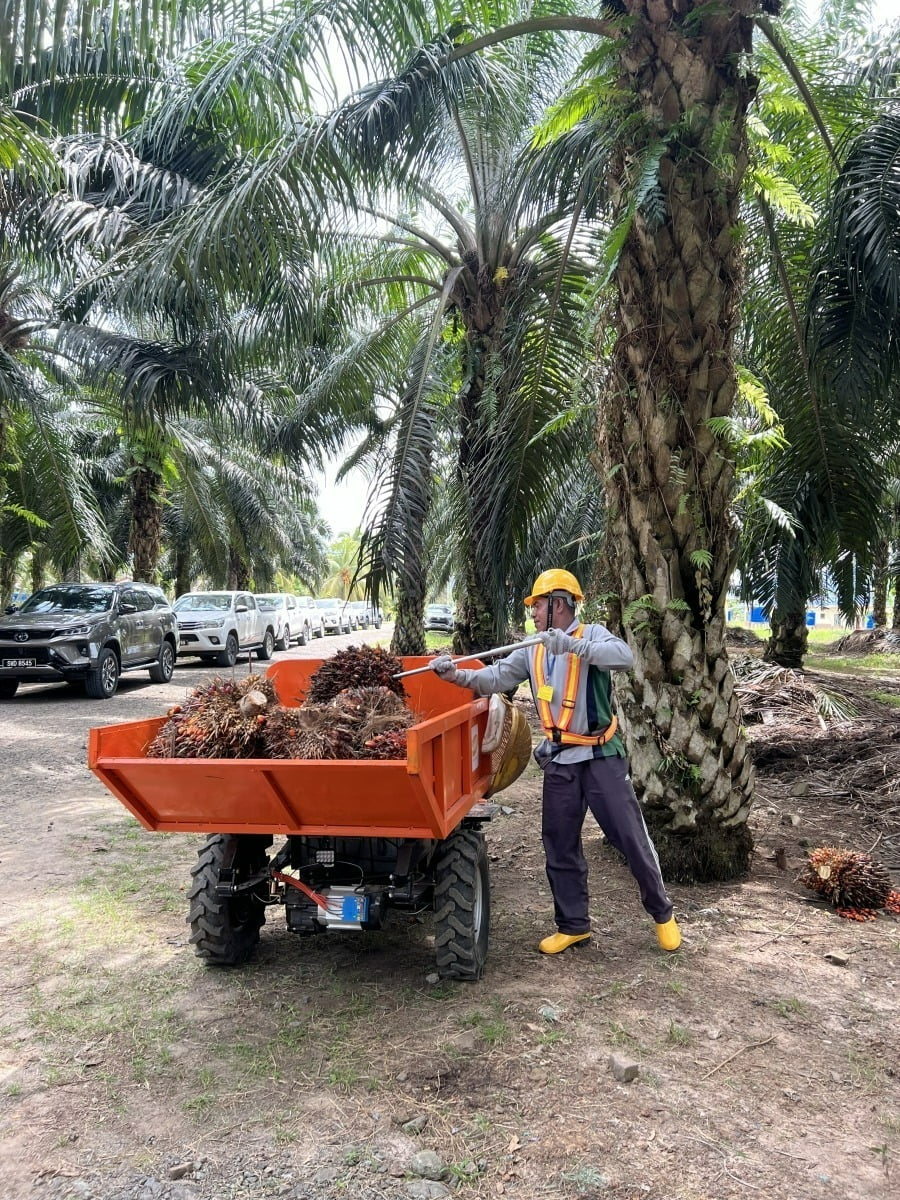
462	905
226	932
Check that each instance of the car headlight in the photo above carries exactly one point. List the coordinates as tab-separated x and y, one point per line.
76	631
214	623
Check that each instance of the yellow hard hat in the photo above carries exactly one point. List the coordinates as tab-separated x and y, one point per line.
554	580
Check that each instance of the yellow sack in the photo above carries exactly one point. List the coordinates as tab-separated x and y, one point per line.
511	750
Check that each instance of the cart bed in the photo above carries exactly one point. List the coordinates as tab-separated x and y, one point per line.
426	795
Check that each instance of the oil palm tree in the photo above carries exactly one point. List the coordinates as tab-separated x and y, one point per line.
820	341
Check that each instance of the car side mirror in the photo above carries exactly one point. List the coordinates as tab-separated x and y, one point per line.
241	608
11	608
125	609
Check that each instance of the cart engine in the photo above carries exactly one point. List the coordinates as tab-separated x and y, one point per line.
357	878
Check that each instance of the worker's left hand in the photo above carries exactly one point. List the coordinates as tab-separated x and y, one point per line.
557	642
445	667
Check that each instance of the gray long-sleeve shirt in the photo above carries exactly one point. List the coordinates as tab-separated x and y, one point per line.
593	698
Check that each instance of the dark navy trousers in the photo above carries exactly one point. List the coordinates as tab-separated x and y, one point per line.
602	785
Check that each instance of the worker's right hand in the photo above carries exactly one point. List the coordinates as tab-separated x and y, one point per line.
445	667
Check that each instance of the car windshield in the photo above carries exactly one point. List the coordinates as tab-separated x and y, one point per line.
203	600
326	603
69	598
269	602
438	610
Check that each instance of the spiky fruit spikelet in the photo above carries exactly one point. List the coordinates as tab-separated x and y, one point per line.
355	667
848	879
313	731
373	710
211	725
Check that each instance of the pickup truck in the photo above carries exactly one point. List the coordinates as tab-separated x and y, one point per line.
333	615
311	617
218	626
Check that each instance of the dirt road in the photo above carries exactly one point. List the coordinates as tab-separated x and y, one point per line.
332	1067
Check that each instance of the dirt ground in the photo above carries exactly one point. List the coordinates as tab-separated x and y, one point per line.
330	1067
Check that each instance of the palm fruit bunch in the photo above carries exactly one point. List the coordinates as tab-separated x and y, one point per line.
853	882
222	719
313	731
390	744
355	667
373	710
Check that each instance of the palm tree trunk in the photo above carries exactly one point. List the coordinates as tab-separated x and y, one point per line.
238	572
669	480
408	636
409	633
39	557
7	578
788	639
182	570
145	534
480	621
880	579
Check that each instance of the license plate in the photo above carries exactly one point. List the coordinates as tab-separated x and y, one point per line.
20	662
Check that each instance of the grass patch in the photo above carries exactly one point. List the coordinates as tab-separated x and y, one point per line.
678	1035
790	1006
854	664
492	1027
890	698
618	1035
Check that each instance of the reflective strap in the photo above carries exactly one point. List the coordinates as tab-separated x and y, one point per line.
590	739
567	705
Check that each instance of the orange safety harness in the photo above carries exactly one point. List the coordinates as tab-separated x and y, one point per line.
560	733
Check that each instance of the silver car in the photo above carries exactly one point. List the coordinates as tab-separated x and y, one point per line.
334	618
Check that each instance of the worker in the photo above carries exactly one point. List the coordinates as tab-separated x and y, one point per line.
582	755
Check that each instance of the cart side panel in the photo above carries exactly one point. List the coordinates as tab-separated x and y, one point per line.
269	796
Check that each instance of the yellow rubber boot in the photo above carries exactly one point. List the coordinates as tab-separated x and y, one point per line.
668	934
557	942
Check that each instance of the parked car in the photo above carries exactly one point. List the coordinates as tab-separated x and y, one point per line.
218	626
334	619
282	609
358	613
439	617
312	617
88	634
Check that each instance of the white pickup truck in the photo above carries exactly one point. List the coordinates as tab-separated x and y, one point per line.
312	617
218	626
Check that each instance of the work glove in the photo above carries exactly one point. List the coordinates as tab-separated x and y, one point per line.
444	667
557	642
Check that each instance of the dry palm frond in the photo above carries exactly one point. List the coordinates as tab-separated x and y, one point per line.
765	689
868	641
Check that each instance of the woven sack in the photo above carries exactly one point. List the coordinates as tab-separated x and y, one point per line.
510	756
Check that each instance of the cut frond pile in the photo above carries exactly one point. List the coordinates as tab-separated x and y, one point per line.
769	694
736	636
868	641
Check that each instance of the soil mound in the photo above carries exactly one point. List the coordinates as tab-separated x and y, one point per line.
737	636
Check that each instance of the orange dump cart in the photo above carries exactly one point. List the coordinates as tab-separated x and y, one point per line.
359	836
